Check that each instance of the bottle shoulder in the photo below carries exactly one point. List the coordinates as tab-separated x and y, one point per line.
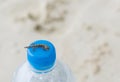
59	73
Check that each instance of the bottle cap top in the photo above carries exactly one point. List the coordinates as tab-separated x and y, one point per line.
41	55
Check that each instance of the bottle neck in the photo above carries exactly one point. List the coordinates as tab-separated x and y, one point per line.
40	71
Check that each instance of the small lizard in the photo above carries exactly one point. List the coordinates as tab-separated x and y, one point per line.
45	47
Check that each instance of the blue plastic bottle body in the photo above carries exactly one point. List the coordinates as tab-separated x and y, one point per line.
59	73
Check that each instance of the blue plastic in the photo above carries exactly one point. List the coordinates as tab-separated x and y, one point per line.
39	58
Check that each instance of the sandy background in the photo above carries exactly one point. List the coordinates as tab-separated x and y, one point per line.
86	34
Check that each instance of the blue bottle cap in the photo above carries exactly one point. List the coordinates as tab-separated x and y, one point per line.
41	55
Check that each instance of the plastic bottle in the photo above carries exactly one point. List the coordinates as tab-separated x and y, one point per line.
42	66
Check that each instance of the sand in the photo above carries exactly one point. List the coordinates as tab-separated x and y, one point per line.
86	34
